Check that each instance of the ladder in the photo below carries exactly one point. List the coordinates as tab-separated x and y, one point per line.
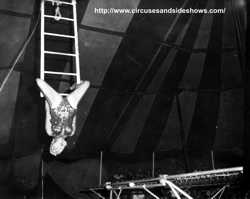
44	52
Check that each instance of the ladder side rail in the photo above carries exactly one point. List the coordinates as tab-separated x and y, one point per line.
42	59
77	62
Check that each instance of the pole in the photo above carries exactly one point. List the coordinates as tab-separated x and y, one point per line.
100	170
153	164
42	183
212	159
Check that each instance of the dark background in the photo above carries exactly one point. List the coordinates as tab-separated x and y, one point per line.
176	85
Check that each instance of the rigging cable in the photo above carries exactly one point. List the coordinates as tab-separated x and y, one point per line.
19	55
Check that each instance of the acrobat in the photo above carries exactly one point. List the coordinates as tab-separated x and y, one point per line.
61	111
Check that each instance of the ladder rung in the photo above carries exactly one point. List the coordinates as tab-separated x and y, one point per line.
59	35
63	94
62	18
59	53
60	73
61	2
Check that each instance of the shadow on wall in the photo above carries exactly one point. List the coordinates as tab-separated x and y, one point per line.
73	177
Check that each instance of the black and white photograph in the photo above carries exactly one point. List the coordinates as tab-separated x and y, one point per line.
124	99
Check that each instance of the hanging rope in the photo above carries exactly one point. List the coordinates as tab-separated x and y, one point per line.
58	14
19	55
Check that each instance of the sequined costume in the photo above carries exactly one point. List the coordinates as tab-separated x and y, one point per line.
62	119
61	114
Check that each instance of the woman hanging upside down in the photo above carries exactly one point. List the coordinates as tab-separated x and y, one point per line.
60	120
